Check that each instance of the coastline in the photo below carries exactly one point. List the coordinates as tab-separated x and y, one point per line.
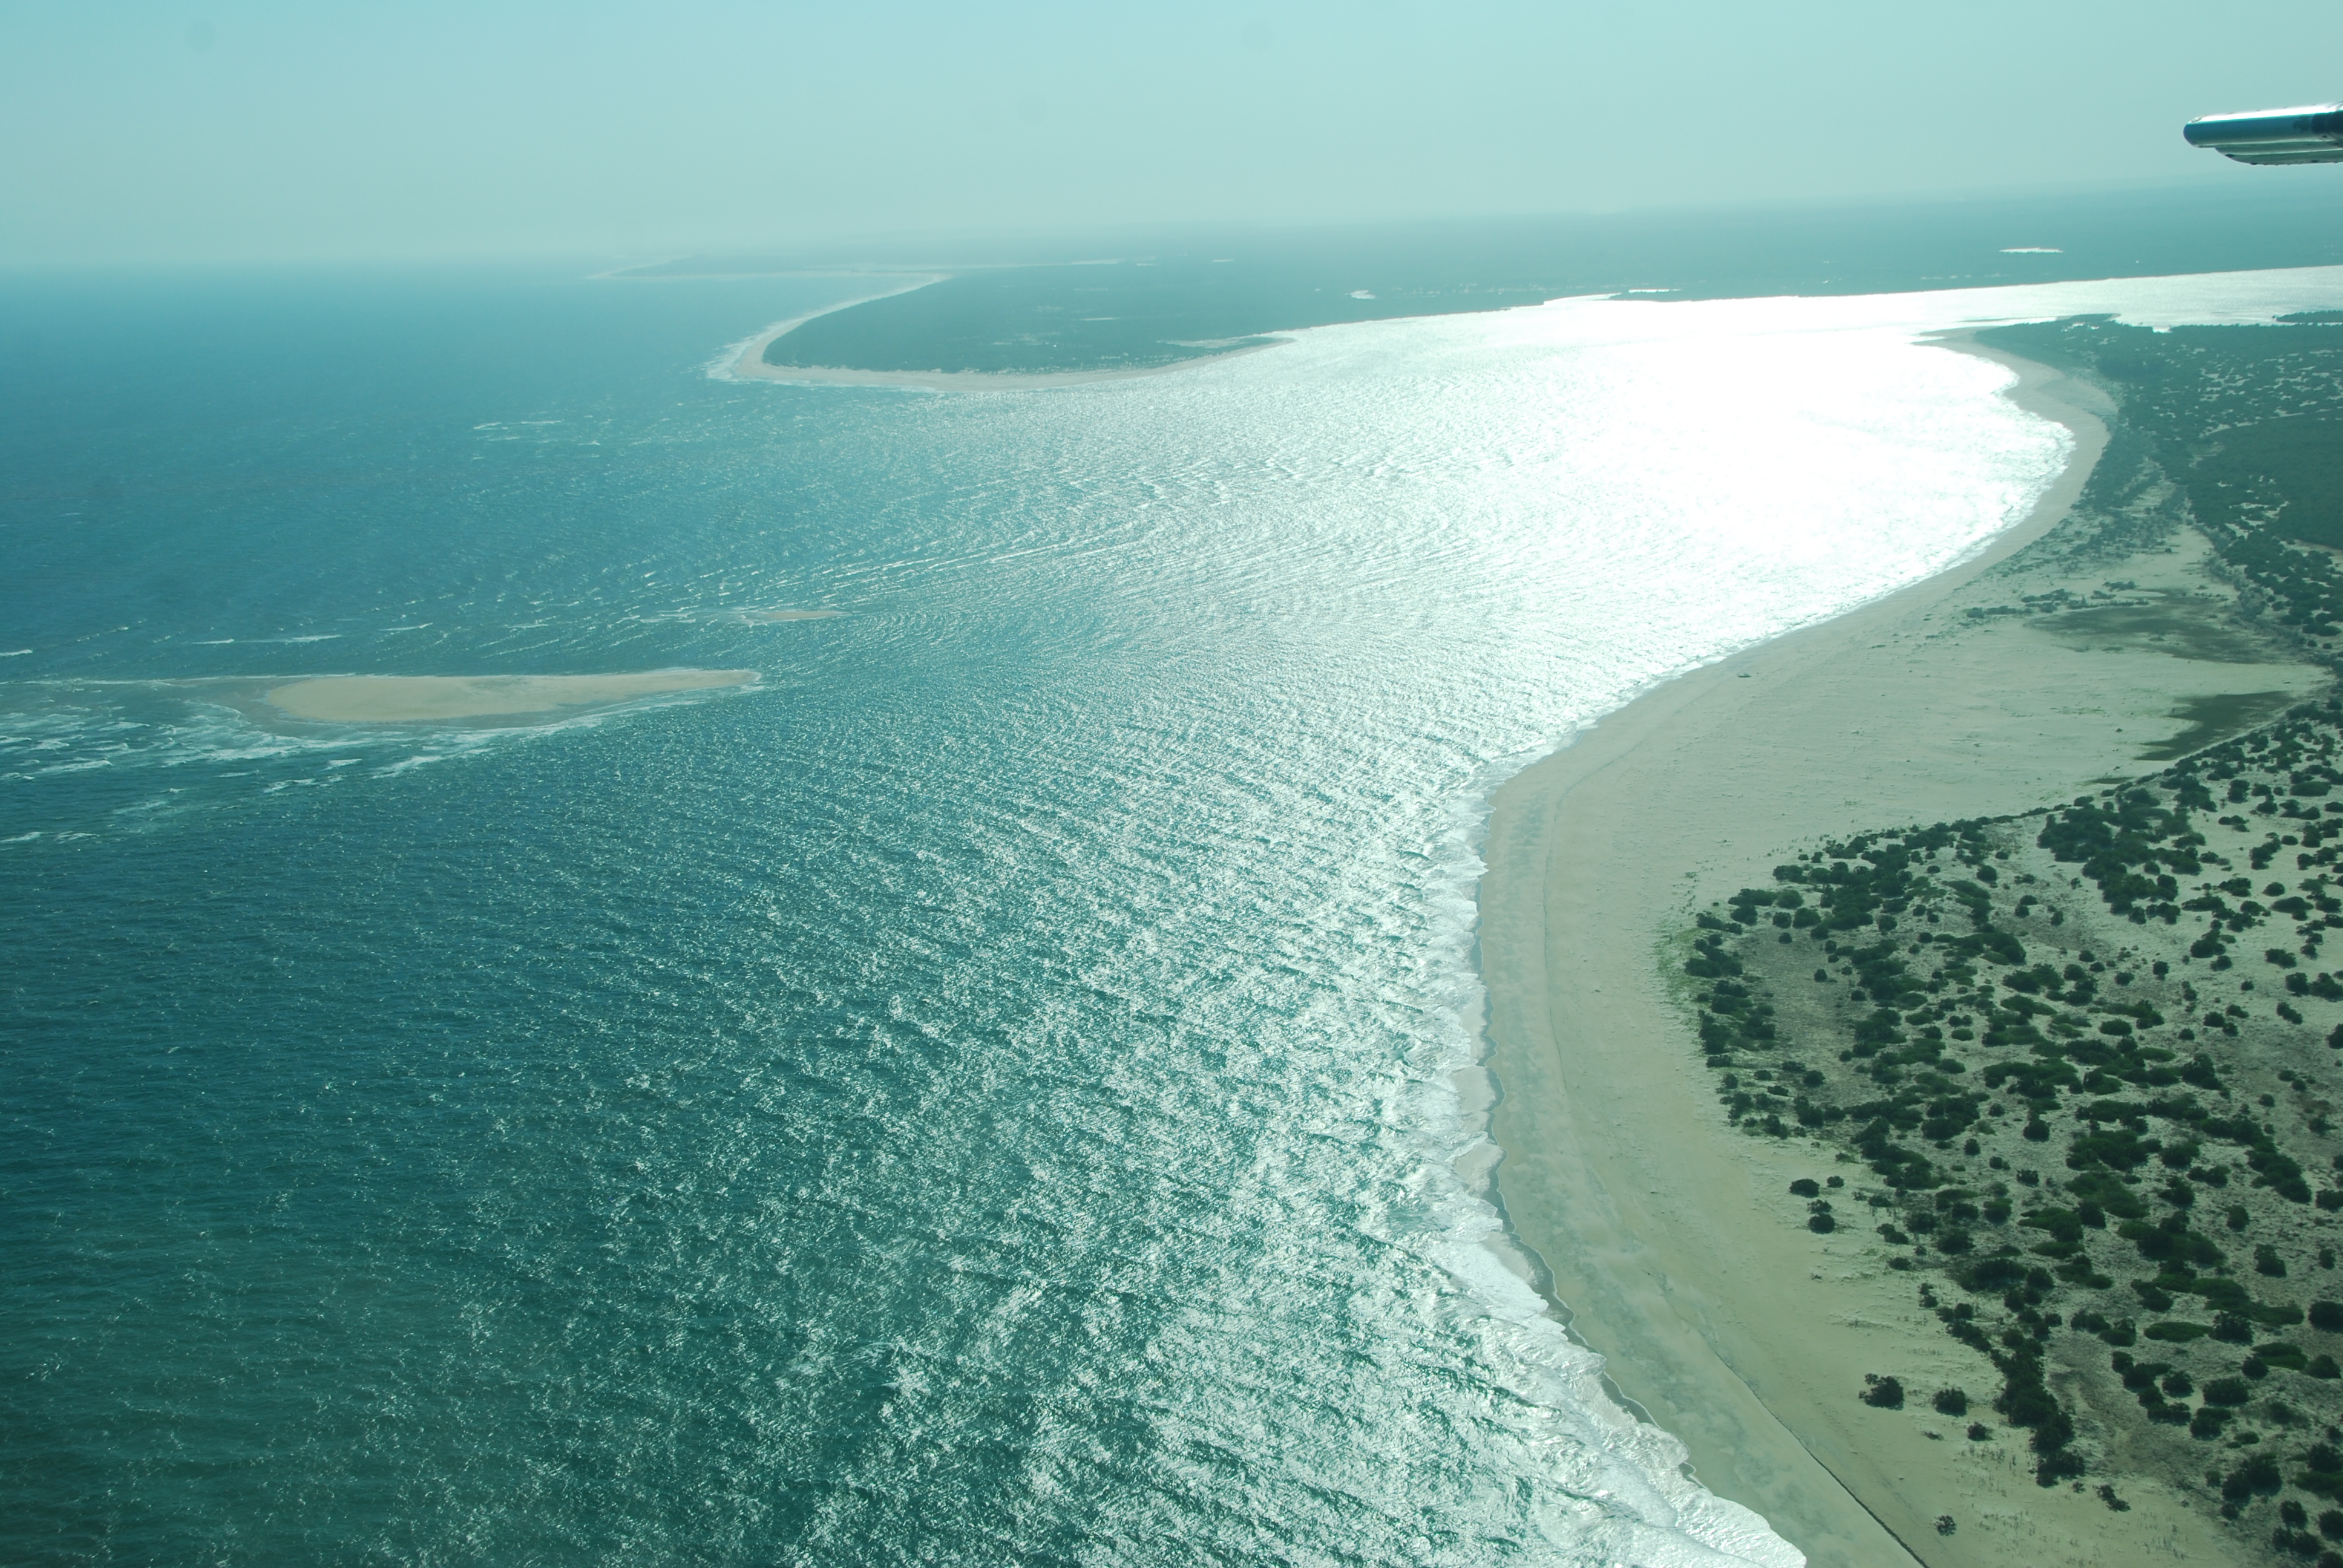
1673	1244
745	360
750	365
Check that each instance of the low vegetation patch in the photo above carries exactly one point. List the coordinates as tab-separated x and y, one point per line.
2075	1073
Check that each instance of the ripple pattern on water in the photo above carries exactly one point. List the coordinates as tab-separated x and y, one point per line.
985	1094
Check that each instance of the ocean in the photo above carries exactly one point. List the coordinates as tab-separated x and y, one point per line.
1000	1090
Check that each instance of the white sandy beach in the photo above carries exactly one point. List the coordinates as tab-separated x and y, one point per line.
1672	1240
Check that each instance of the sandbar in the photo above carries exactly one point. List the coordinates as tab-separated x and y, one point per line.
745	360
428	698
1673	1244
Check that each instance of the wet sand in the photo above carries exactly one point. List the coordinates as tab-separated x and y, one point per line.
1672	1240
428	698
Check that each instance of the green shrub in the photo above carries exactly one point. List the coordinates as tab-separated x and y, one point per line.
2258	1476
2230	1392
2063	1464
2176	1333
2054	1432
1997	1272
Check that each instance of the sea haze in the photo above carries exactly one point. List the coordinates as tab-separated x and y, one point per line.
988	1092
1110	301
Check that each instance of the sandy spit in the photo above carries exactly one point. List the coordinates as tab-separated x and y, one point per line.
1672	1241
747	357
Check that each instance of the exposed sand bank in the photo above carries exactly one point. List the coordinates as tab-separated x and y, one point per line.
426	699
1673	1241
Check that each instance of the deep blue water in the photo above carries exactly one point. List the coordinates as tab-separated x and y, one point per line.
983	1095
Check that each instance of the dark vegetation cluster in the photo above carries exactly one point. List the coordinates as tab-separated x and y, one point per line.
2073	1069
2245	421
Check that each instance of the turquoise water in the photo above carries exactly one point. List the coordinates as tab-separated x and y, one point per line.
987	1094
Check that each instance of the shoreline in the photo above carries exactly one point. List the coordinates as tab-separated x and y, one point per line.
1671	1245
745	360
750	367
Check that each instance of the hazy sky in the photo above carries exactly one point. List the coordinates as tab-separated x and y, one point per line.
134	132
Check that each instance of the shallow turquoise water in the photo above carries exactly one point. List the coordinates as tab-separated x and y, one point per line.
984	1095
